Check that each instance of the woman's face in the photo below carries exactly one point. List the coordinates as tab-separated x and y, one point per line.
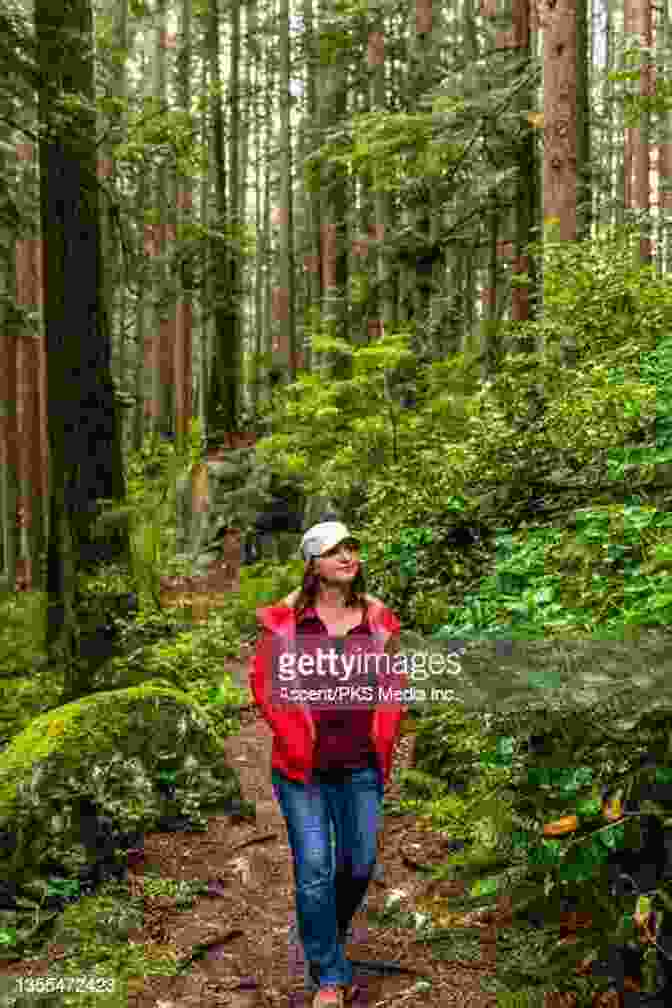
340	564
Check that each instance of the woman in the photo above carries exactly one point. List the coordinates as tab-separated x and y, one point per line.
329	764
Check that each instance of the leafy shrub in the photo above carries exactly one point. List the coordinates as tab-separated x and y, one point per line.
22	632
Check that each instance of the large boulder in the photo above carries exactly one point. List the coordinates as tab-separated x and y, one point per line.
114	751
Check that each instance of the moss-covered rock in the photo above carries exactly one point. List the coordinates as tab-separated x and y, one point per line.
112	749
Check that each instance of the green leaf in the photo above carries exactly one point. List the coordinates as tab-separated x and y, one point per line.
613	836
520	839
589	808
484	887
506	746
575	780
549	679
545	853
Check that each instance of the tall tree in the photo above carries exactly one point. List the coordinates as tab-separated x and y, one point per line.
663	48
146	327
284	292
258	328
185	277
84	447
224	388
334	82
640	26
267	237
560	185
29	356
311	141
385	301
9	330
558	19
236	206
584	196
162	349
528	170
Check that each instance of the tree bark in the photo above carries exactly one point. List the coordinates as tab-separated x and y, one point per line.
183	322
224	379
84	449
285	346
9	329
558	19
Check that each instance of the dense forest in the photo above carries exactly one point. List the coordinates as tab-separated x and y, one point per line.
407	265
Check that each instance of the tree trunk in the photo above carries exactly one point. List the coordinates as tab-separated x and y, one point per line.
583	166
386	308
206	321
269	74
285	346
641	27
120	90
183	322
162	349
224	378
84	449
312	196
558	18
235	211
665	149
29	350
525	196
9	329
334	79
254	44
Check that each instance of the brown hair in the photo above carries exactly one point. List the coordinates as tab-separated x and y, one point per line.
310	586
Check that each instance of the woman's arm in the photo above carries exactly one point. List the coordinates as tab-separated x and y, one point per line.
261	665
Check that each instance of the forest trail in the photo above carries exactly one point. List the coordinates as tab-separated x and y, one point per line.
237	937
254	963
244	921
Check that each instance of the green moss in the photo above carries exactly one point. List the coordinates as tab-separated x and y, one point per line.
114	748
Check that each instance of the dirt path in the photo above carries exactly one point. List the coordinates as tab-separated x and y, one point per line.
246	923
252	918
246	918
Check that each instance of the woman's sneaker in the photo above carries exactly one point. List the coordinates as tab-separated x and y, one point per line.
328	997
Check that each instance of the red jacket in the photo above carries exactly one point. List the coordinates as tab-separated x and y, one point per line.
293	727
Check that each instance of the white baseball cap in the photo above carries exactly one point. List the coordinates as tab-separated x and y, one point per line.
324	536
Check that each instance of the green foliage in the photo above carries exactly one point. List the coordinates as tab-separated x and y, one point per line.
609	570
357	418
261	584
627	77
193	660
151	480
22	632
655	369
27	688
536	871
599	295
573	594
95	930
582	588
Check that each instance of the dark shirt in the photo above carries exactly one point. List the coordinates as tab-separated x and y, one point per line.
343	741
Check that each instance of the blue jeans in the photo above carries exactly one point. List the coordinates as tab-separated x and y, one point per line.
330	885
